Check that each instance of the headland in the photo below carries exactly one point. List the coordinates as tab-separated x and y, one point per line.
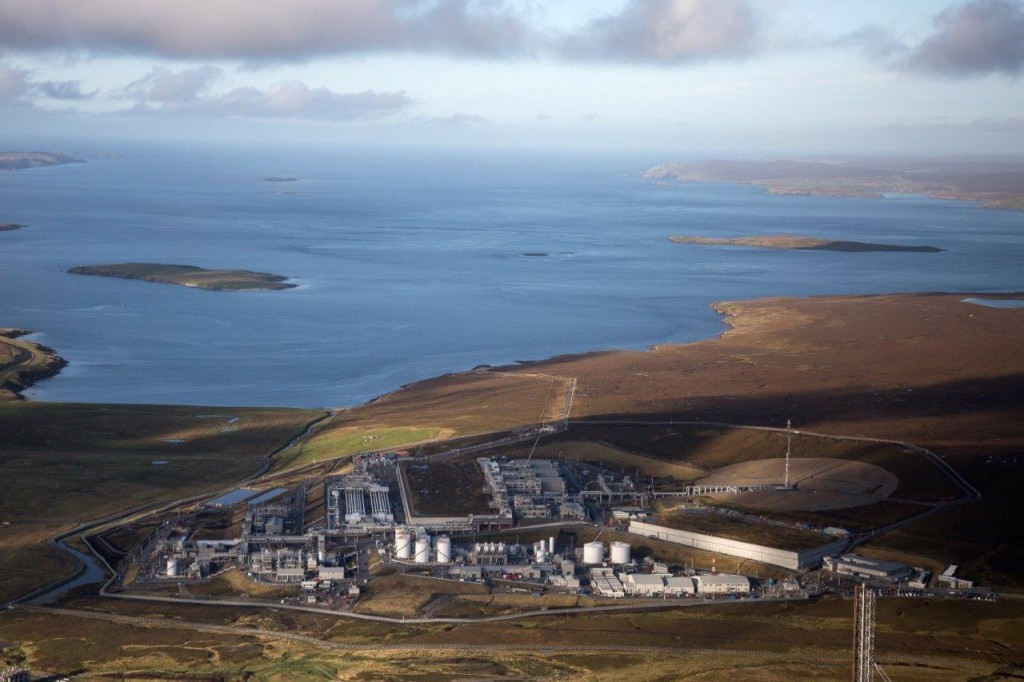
8	227
23	160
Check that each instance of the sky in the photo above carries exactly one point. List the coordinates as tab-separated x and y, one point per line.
737	77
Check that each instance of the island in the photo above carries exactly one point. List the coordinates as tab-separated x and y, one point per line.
188	275
278	178
7	227
23	160
996	183
802	244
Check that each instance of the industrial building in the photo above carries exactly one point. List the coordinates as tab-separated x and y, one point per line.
871	569
605	583
527	488
722	583
793	560
949	579
355	501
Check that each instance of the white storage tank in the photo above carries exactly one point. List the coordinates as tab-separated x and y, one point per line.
172	567
444	550
620	553
403	543
423	551
593	553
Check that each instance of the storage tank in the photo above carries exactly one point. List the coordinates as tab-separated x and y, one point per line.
172	567
593	553
540	551
403	543
551	545
423	551
620	553
444	550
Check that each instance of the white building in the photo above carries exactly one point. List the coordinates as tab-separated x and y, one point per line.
793	560
678	586
722	583
604	583
643	584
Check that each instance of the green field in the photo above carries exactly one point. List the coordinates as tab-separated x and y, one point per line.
329	443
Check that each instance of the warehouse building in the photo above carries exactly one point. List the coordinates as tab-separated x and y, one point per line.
722	583
793	560
870	569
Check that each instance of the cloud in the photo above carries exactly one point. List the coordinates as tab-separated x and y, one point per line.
164	85
975	38
263	30
187	92
14	83
1012	124
63	90
668	32
459	120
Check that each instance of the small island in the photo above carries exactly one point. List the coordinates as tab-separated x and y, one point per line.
278	178
188	275
802	244
23	160
7	227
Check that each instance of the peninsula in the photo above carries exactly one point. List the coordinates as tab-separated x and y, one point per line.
802	244
188	275
278	178
7	227
22	160
997	183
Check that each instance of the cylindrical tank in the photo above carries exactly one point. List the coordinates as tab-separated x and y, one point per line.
478	548
444	550
620	553
540	551
403	543
593	553
423	551
172	567
551	545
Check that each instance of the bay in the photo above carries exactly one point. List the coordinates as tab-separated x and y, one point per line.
416	262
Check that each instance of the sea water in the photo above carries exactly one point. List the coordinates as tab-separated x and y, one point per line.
413	263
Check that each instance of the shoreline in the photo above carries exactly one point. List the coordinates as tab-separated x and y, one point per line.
731	319
34	362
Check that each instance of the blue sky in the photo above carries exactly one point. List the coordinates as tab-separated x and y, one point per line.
687	76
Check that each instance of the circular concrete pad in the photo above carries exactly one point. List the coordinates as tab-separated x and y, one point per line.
821	483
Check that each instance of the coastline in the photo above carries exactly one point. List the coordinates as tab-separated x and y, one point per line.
32	362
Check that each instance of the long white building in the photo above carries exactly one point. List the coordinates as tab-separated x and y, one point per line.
793	560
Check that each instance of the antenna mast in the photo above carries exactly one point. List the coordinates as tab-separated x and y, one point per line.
864	665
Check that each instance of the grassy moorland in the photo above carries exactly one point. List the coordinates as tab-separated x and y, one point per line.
916	640
187	275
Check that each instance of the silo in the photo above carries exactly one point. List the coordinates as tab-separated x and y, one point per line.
172	567
403	543
423	550
593	553
620	553
444	550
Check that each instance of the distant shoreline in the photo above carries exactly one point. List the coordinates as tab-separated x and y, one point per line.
793	243
995	185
